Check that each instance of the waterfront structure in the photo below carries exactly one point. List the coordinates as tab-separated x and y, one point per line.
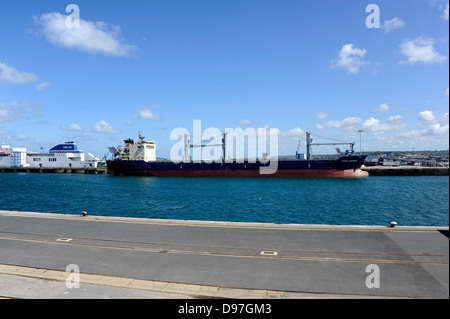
65	155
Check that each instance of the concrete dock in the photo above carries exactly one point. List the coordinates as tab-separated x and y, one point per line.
44	255
406	171
69	170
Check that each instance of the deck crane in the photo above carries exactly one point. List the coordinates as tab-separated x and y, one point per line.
187	146
297	153
309	143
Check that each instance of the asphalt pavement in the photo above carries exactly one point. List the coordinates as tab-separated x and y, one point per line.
71	256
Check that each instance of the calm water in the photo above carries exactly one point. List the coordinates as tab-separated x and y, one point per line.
418	201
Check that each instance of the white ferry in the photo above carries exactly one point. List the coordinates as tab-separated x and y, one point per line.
64	155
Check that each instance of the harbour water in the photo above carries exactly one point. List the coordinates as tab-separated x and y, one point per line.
409	200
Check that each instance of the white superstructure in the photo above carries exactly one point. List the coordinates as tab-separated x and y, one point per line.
64	155
13	157
141	150
5	156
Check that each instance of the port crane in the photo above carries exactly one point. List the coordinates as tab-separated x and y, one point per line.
309	143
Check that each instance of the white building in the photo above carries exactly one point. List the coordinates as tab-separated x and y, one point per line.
18	157
64	155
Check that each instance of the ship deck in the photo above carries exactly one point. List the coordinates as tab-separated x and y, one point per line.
143	258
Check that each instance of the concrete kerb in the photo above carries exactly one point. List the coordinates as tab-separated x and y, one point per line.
172	222
171	289
139	284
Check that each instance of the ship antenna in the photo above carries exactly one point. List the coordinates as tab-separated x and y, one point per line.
140	136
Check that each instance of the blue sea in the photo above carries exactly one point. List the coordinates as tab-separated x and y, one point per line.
410	200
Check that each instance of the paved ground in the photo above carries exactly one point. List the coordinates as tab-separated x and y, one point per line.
139	258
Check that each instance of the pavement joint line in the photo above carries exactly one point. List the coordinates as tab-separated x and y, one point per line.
215	247
322	259
223	224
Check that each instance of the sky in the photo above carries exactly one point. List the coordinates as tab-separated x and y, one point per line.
325	66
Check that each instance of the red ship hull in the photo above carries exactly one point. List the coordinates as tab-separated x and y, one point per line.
350	173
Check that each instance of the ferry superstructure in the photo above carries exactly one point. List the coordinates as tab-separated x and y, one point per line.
65	155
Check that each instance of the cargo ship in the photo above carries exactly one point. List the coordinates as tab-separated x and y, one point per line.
138	158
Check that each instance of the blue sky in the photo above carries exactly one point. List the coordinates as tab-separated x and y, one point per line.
293	65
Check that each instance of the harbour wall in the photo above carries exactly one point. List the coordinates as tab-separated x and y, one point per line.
406	171
87	170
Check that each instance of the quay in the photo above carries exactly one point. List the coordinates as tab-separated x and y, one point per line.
72	170
406	171
146	258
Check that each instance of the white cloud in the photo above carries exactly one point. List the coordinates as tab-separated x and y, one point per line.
350	58
329	124
348	123
446	92
375	125
420	50
287	139
438	129
413	134
370	125
393	24
295	132
428	117
351	121
71	127
106	128
12	137
444	9
395	118
42	86
90	37
322	116
383	108
12	111
438	124
246	123
11	75
146	114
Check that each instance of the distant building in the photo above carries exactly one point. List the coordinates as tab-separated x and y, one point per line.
64	155
18	157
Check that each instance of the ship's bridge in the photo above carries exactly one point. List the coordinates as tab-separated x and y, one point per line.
141	150
67	147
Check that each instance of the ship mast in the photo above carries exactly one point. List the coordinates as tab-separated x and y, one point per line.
308	146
